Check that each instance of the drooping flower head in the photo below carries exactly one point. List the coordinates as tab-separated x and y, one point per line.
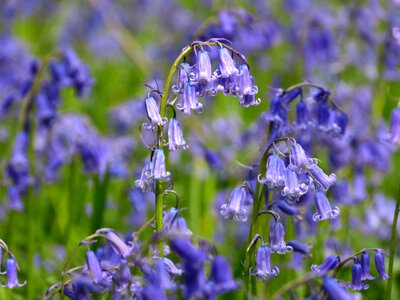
263	270
234	209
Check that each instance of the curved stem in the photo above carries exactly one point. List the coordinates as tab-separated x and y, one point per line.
392	248
304	84
343	262
294	284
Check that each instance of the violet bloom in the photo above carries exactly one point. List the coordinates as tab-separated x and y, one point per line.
303	121
12	275
395	126
158	171
330	263
146	181
221	279
175	135
357	283
277	238
153	113
246	89
189	100
183	77
380	264
320	178
293	188
227	65
299	160
171	267
275	173
287	208
365	265
189	253
234	208
334	290
117	244
299	247
203	67
93	266
263	270
324	209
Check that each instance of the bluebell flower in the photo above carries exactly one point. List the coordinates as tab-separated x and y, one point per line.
234	209
299	247
357	283
171	267
12	276
203	67
322	180
263	270
324	209
246	90
221	279
189	253
158	171
151	292
189	100
395	126
334	290
175	135
365	267
299	160
380	264
93	266
329	264
194	280
275	173
182	78
117	244
293	188
153	113
303	121
287	208
277	238
227	66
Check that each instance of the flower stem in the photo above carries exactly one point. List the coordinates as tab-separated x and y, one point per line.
392	248
159	209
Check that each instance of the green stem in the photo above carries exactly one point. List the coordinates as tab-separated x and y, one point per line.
159	206
99	201
392	248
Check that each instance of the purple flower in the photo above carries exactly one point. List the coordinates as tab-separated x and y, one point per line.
189	253
293	188
158	171
175	135
330	263
277	238
117	244
221	279
227	66
146	181
275	174
380	264
324	209
189	100
299	247
287	208
234	208
183	77
12	276
203	67
303	121
365	267
320	178
334	290
153	113
263	270
246	89
299	160
356	279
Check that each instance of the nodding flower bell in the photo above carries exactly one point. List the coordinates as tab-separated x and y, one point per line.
246	89
234	208
275	174
277	238
365	267
203	67
299	160
293	188
334	290
221	279
324	209
189	100
159	172
116	243
227	65
153	114
356	277
320	178
330	263
175	135
12	275
263	270
183	77
380	264
303	121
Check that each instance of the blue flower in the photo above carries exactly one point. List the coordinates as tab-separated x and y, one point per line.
320	178
275	173
263	270
117	244
330	263
203	67
357	283
227	65
365	267
380	264
189	100
277	238
234	208
221	279
324	209
158	166
175	135
298	159
334	290
153	113
293	188
12	276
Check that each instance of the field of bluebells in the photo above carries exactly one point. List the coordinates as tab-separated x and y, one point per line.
199	149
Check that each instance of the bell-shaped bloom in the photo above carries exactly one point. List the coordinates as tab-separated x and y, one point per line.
334	290
183	77
303	121
12	275
159	170
203	67
263	270
277	238
227	65
117	244
293	188
324	209
234	209
320	178
146	181
221	279
365	267
171	267
380	264
189	100
299	161
93	266
175	135
330	263
357	283
189	253
275	173
299	247
246	90
153	113
287	208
